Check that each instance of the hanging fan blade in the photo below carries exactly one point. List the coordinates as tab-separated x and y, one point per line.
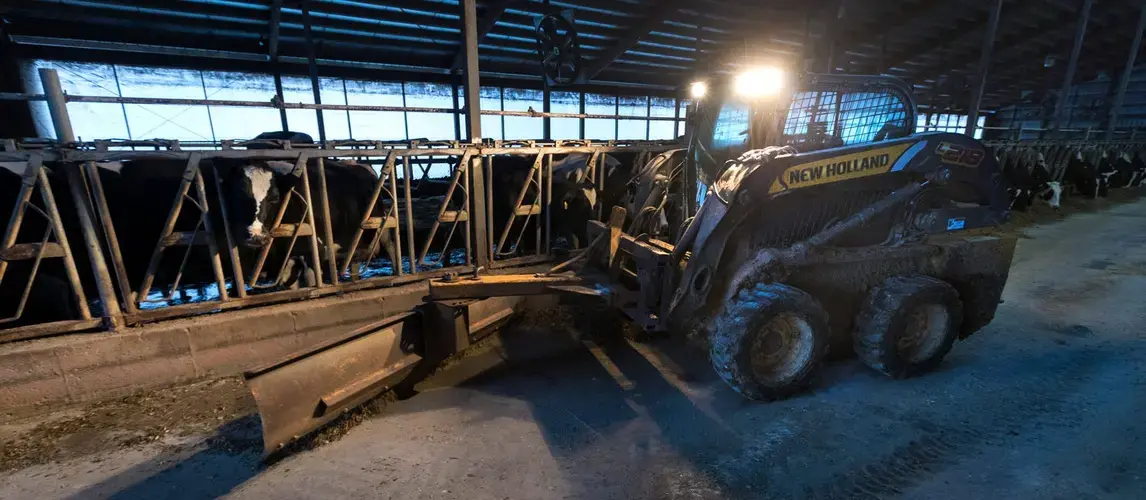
558	48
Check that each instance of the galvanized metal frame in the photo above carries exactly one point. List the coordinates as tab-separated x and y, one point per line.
534	181
168	237
34	176
378	224
472	160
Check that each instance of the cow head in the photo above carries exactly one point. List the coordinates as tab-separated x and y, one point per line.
254	193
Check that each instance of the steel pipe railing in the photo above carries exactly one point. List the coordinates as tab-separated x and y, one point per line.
276	104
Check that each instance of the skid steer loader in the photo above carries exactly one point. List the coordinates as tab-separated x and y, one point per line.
827	224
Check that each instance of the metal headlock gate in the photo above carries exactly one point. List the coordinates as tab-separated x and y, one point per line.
1057	153
389	220
401	237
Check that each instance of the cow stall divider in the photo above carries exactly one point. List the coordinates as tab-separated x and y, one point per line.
34	177
304	227
429	235
1053	169
201	235
1057	153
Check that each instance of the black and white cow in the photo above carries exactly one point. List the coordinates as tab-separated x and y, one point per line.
256	191
1082	173
1130	170
1029	178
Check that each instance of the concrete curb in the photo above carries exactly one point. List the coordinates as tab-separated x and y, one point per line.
86	367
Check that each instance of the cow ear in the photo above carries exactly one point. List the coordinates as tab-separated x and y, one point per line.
281	167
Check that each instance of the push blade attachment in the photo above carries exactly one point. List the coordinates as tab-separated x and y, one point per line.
308	389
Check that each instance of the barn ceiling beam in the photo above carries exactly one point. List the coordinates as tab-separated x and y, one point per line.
1016	69
866	34
984	65
1014	48
1075	51
1019	56
660	13
964	33
273	39
1127	71
489	19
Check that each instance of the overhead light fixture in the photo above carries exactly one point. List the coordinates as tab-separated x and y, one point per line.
698	89
759	82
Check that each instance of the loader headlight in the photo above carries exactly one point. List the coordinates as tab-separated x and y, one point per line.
698	89
759	82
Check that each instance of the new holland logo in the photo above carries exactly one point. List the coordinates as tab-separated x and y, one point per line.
862	164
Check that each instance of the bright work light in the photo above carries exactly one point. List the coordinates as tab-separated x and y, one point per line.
759	82
698	89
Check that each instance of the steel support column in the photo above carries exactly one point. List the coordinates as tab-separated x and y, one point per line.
984	64
58	109
1124	80
312	66
1072	65
273	52
478	167
835	49
470	70
546	123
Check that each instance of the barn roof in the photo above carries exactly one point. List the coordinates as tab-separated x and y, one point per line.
932	44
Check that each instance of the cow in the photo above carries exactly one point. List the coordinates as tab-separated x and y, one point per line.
255	192
1129	170
1082	175
1106	172
1138	169
1029	178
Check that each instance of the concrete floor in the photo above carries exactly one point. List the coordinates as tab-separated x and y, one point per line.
1047	402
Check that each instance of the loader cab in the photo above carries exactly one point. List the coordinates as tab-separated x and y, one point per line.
809	113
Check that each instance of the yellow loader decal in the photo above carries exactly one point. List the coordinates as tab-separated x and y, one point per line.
852	166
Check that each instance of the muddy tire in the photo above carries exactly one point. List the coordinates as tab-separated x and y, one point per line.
907	325
769	341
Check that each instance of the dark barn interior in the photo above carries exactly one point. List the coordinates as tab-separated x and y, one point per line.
572	249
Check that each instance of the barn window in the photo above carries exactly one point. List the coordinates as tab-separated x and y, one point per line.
375	125
429	125
202	125
633	129
521	127
565	102
661	129
600	128
231	122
